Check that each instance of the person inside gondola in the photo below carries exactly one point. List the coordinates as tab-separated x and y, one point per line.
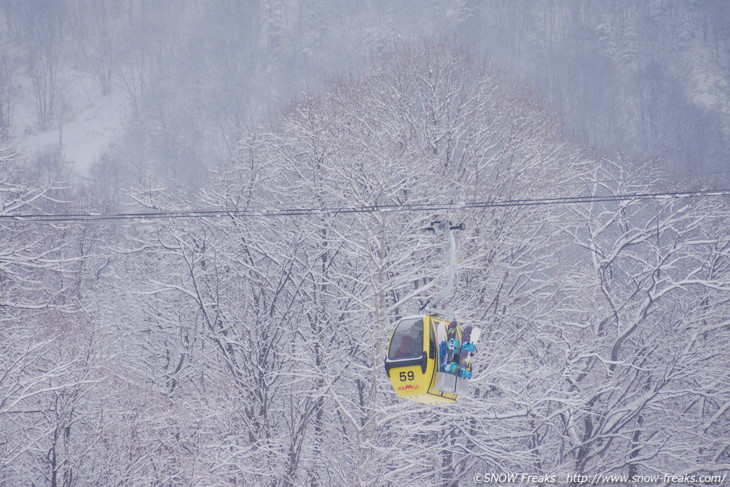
407	340
405	349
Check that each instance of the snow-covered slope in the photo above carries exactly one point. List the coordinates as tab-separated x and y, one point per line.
90	123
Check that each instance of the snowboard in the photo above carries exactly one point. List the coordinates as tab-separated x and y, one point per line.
453	348
468	350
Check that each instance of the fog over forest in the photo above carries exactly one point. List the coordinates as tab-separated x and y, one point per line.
211	218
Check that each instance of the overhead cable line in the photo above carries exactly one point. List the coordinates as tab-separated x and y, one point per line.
344	210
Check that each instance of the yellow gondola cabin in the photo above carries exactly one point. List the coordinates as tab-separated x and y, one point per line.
412	363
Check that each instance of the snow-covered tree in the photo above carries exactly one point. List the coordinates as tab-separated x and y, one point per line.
245	345
48	343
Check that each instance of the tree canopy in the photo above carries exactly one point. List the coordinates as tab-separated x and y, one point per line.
248	349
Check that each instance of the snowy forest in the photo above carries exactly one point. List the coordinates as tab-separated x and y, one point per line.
211	218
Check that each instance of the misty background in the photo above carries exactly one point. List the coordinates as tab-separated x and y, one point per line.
116	88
